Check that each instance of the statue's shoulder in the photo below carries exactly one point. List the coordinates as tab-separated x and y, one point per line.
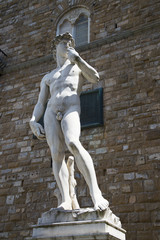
47	77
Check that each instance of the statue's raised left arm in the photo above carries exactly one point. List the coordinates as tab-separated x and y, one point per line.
87	70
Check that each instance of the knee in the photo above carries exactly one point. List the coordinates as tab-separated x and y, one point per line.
73	146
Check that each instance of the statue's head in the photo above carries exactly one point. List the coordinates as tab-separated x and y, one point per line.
61	37
65	36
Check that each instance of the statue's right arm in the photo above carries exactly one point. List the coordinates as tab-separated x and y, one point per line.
39	109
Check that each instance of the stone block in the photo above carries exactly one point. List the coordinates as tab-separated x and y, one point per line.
10	199
2	201
111	171
141	176
15	217
26	149
126	188
129	176
132	199
78	224
9	226
4	235
78	230
149	185
101	150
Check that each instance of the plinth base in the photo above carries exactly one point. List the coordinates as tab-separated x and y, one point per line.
77	225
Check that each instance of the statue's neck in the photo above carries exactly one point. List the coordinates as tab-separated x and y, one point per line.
61	61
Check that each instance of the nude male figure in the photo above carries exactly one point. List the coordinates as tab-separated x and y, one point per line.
62	122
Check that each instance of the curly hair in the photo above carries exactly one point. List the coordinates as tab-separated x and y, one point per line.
64	36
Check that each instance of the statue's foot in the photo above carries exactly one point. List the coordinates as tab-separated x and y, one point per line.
65	205
100	203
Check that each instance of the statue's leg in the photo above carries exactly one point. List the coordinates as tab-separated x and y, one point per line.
71	130
56	144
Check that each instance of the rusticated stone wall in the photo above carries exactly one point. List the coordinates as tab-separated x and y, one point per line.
125	50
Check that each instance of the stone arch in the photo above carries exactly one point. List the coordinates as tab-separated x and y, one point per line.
68	19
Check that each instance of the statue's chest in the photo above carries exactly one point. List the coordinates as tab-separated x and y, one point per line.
53	77
61	76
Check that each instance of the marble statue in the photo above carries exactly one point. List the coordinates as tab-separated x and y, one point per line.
62	87
72	185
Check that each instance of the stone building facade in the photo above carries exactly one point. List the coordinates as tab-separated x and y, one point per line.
124	47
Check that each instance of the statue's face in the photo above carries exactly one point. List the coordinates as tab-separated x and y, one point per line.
62	47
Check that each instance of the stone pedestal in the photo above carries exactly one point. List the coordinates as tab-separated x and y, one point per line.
86	224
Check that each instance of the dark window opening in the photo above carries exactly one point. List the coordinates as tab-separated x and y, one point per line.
92	108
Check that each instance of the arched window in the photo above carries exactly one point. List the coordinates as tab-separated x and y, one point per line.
77	22
81	30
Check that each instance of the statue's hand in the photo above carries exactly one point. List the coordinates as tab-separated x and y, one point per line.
73	56
37	130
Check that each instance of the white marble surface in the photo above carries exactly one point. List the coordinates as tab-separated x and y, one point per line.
62	87
78	228
55	215
86	224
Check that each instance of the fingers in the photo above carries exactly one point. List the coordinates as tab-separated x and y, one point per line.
41	137
42	129
39	132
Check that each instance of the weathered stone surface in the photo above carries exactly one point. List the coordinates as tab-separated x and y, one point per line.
75	224
84	214
78	229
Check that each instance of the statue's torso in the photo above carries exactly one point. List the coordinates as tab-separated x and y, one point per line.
65	85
